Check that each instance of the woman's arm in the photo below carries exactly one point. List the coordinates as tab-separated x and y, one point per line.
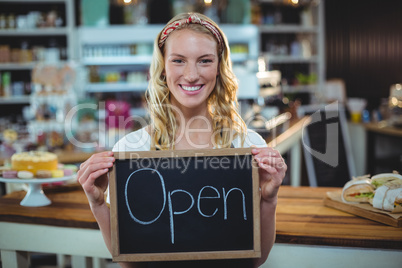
93	177
272	170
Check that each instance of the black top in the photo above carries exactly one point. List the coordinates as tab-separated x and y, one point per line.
243	263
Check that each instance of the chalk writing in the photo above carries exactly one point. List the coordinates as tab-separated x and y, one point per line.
167	197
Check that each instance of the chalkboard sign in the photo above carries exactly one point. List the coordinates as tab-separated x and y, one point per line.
185	205
327	149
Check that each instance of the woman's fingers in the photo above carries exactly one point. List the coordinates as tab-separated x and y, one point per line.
96	158
269	159
87	175
92	177
272	170
265	152
97	164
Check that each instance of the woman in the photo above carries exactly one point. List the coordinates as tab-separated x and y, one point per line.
192	102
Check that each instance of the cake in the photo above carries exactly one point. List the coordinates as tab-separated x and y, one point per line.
33	161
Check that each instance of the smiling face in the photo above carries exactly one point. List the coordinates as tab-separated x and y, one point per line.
191	68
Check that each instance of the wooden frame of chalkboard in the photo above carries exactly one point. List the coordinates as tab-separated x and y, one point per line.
222	203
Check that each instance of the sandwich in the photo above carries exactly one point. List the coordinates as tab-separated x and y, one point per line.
389	197
397	183
381	179
358	190
398	204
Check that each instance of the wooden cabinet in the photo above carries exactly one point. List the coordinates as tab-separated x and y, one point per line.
32	31
292	41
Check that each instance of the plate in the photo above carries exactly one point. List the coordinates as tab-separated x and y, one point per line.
36	180
35	196
364	210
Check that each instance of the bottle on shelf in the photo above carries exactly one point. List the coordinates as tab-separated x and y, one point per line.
93	74
52	52
6	81
10	21
25	53
1	86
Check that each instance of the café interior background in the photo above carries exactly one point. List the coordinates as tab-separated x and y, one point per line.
300	46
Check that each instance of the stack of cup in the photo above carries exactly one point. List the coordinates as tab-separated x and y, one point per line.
356	107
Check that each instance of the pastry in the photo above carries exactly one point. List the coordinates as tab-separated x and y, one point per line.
2	169
25	175
10	174
58	173
33	161
68	172
74	168
43	174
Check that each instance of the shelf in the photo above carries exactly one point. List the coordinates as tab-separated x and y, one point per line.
17	66
26	65
128	60
118	34
290	59
287	29
300	89
15	100
35	31
33	1
303	3
272	91
239	57
141	112
299	22
116	87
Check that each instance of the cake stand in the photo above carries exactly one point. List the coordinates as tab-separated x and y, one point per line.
35	196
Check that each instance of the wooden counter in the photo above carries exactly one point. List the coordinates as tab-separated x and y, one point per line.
68	209
383	128
302	220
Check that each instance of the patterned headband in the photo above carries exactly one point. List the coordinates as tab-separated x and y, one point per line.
193	18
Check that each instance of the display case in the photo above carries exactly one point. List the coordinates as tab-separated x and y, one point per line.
32	31
292	42
116	58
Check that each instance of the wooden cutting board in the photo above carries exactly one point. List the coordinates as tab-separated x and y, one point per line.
367	211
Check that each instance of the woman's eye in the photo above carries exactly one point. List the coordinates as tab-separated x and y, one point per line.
206	61
177	61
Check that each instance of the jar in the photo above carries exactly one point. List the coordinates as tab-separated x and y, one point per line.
55	138
11	21
3	21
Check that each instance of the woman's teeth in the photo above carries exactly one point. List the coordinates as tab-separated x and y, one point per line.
191	88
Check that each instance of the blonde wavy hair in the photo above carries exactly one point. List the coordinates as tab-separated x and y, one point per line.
222	102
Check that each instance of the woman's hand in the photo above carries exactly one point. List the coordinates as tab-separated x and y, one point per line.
272	170
92	175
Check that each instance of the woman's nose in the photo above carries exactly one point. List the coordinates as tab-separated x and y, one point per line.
191	73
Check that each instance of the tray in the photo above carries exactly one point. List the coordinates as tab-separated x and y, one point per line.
367	211
35	196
